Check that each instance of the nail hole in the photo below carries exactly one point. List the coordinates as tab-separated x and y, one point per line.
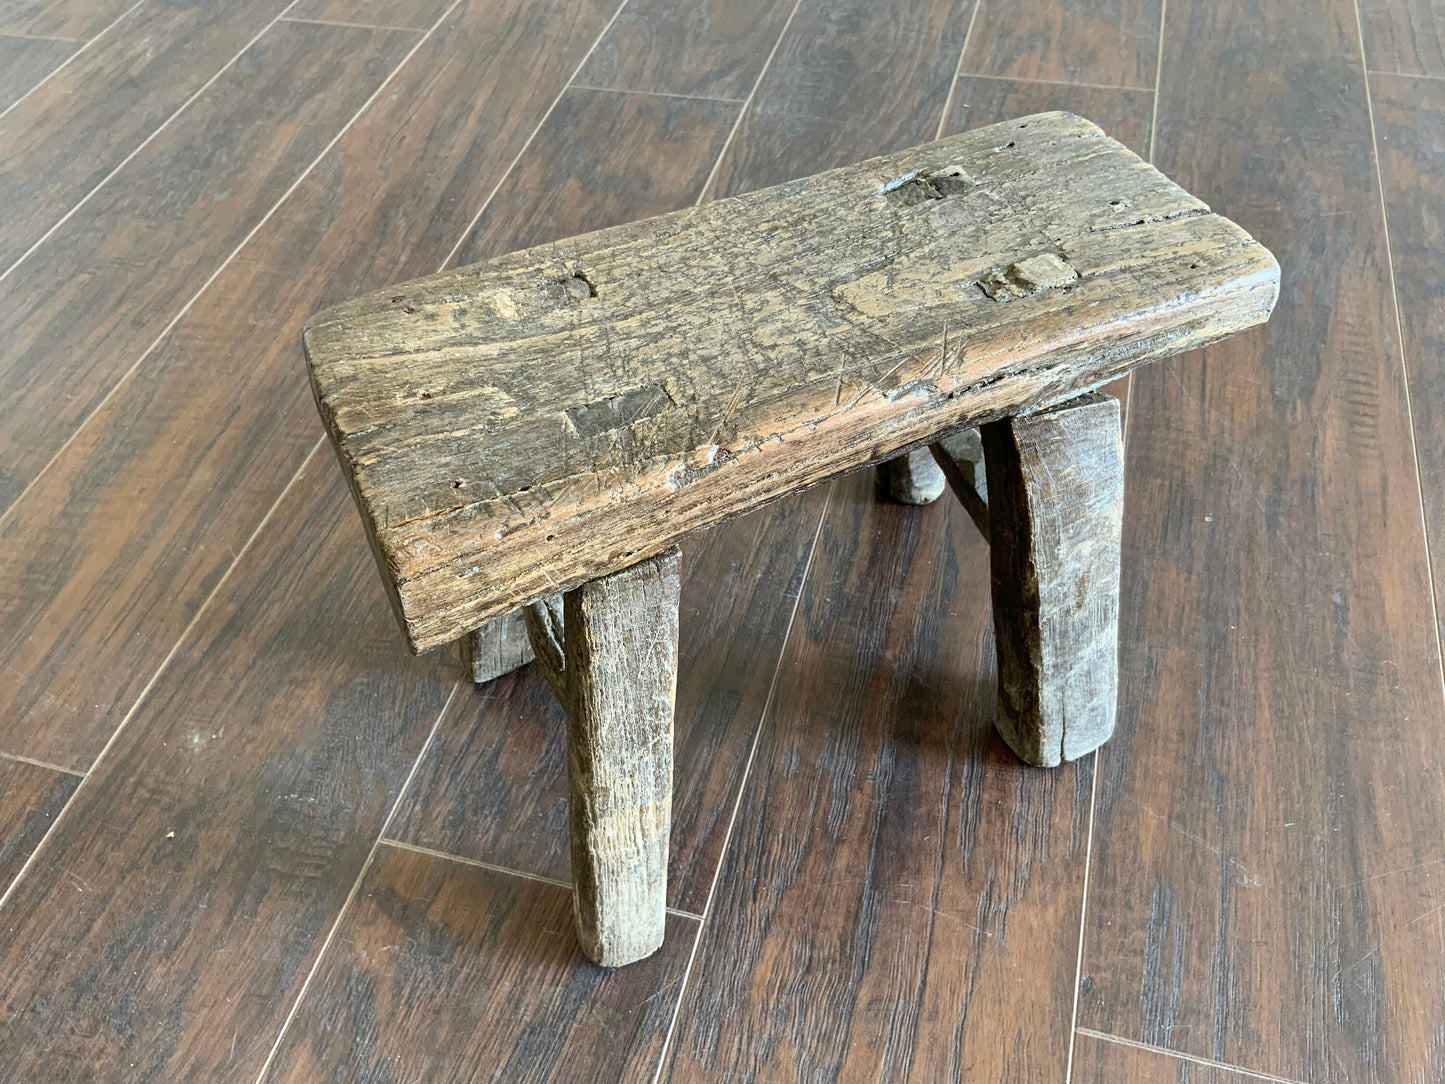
458	483
1113	203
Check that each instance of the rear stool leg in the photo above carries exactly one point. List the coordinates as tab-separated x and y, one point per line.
616	674
497	648
1055	505
912	478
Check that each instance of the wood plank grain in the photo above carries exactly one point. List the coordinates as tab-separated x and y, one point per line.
1269	875
1123	113
1113	43
24	62
86	305
419	14
444	972
98	574
79	19
898	883
516	428
1099	1061
599	160
30	798
1410	135
711	48
848	82
216	842
1405	36
67	137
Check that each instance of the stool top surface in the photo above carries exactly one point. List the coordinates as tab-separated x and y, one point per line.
523	425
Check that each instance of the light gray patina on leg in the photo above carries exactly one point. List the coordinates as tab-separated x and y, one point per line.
497	648
1055	505
912	478
613	664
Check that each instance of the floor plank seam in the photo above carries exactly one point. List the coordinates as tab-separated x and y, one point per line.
1400	353
657	94
72	57
1053	82
747	103
360	876
145	690
466	232
508	871
957	70
144	143
742	784
45	37
1194	1058
41	764
125	377
1403	75
352	26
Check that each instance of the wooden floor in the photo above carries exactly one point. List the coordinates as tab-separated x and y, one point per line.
244	836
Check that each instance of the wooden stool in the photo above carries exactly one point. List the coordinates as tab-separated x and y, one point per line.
529	438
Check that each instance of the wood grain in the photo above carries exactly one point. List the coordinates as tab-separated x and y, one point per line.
98	576
708	48
79	19
1112	43
519	427
493	787
601	160
82	309
497	648
1124	114
898	884
1268	881
847	82
204	860
69	135
1099	1061
444	972
419	14
30	799
24	62
1406	36
1410	131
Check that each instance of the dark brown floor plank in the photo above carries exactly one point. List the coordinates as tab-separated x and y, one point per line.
1124	114
191	882
1410	125
30	797
1406	36
444	971
1114	43
69	135
414	13
24	62
901	897
599	160
713	48
1099	1061
80	19
494	785
847	82
100	574
81	310
1268	887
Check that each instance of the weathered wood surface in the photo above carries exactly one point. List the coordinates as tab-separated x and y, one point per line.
960	457
1056	502
613	664
531	423
497	648
912	478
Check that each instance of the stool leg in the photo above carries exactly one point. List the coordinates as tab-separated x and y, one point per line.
497	648
618	674
1055	505
912	478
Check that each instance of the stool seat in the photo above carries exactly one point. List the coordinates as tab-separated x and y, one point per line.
523	426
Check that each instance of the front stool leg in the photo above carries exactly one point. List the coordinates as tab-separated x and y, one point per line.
614	667
912	478
1055	507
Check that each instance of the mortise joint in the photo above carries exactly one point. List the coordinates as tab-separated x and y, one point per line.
1033	275
574	287
921	186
